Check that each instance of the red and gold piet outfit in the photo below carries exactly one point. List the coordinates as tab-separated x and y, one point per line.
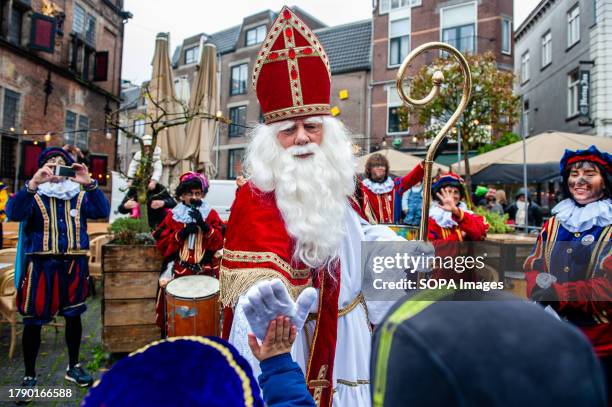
384	205
188	236
446	231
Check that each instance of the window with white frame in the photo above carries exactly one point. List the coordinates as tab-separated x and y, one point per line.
506	40
255	35
394	104
390	5
573	84
76	130
458	27
192	55
70	125
15	30
238	118
83	24
546	49
399	40
573	26
525	67
82	137
78	18
239	77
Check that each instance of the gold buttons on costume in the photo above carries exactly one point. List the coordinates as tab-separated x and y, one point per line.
569	251
566	269
577	234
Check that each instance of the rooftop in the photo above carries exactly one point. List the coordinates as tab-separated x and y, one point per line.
347	46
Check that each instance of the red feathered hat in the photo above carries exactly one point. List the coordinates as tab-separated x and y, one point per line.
292	77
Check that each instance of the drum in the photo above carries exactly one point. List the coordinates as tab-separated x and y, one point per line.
192	306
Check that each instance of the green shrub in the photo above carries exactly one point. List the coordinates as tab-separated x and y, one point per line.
128	231
497	222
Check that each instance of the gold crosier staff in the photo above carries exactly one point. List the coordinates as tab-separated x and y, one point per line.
437	78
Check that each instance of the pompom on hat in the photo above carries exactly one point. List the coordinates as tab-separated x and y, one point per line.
50	152
292	75
188	371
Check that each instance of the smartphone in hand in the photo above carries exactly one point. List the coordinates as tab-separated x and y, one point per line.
63	171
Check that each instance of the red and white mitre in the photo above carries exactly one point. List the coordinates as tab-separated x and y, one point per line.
291	77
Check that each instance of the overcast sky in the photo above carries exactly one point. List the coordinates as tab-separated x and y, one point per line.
184	18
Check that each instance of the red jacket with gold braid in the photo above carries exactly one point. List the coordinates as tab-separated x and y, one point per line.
387	207
170	244
470	227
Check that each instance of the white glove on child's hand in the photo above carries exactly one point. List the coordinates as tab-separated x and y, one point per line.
268	299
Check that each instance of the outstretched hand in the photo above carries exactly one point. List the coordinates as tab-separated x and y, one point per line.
268	299
447	201
278	340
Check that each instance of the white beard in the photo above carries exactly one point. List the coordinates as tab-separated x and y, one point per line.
311	193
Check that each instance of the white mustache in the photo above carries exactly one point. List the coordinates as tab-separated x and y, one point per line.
310	148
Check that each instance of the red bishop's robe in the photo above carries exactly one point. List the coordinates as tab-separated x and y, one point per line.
258	247
387	207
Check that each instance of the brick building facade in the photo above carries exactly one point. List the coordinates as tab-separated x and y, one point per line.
60	70
473	26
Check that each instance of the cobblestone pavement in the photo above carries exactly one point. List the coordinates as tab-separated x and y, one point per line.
53	356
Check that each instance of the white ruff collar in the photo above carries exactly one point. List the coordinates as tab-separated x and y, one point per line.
443	218
64	190
180	212
580	218
379	187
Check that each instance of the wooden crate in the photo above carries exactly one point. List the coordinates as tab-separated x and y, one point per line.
130	276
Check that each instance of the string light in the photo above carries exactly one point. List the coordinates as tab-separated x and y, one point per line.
217	117
48	137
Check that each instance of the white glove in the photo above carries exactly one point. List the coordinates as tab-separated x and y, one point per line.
268	299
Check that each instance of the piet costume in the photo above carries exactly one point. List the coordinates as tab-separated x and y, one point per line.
189	236
570	266
443	225
448	231
51	270
198	371
292	80
381	202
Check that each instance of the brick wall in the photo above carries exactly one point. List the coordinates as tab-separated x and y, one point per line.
26	72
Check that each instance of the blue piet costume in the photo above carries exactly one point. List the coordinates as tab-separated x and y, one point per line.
51	267
198	371
570	267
